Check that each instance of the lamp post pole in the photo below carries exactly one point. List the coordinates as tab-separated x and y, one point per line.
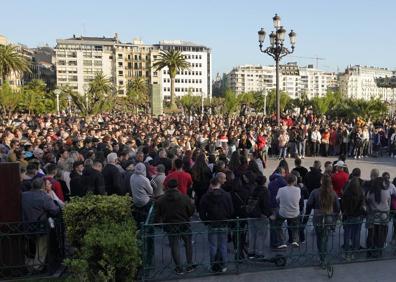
57	93
265	103
202	103
277	51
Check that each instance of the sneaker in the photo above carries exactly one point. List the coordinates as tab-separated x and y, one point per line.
251	256
295	244
259	257
179	271
191	268
282	246
224	269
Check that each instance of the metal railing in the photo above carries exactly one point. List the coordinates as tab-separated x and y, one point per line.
31	248
320	241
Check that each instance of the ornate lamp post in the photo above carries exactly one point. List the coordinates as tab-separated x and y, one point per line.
277	51
57	93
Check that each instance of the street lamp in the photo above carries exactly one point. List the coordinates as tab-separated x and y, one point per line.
265	102
202	103
277	51
57	93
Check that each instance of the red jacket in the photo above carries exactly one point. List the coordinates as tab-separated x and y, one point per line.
339	179
183	178
261	142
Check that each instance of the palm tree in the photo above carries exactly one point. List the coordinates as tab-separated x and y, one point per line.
137	93
11	61
99	97
174	61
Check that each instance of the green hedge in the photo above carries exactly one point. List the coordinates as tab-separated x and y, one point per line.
103	231
83	213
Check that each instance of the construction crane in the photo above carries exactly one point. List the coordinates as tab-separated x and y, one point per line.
311	58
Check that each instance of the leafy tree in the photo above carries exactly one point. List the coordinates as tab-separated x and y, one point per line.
100	96
11	61
271	101
36	99
175	61
137	93
9	99
231	102
216	105
190	103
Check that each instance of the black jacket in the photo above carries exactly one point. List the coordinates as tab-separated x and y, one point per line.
93	182
263	202
77	187
173	207
312	179
113	179
216	204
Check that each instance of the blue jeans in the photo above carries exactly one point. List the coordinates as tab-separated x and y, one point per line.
217	238
282	152
352	228
258	230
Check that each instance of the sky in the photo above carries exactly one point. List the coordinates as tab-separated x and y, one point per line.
343	32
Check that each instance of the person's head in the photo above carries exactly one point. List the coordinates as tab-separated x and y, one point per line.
139	157
340	166
261	180
47	184
317	164
386	177
355	187
160	168
291	179
221	177
38	184
172	184
356	172
214	183
178	163
374	173
162	154
377	184
112	158
140	168
281	171
298	175
97	165
63	153
283	163
31	169
297	162
51	169
78	167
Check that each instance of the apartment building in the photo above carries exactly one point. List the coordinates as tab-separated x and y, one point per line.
293	79
78	59
360	82
195	80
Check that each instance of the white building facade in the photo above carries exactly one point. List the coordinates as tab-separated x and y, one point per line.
78	59
359	82
294	80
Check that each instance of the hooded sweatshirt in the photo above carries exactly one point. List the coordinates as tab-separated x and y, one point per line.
174	207
140	186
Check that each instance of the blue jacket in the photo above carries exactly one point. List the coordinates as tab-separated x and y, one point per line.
276	181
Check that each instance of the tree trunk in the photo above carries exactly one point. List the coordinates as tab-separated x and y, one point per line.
172	98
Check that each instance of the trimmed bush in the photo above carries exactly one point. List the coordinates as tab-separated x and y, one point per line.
103	231
83	213
108	253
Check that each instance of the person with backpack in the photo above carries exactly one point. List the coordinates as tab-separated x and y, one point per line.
258	210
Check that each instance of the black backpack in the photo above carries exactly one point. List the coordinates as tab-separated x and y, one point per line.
252	207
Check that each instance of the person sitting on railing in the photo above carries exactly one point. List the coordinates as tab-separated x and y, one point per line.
175	210
37	206
216	206
378	206
324	201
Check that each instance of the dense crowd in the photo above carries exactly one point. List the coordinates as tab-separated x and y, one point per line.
211	165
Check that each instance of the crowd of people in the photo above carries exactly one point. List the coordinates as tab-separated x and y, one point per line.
212	166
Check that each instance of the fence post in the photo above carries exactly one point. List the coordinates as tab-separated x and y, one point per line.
238	234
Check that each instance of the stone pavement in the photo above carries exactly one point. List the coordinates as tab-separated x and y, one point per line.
366	164
374	271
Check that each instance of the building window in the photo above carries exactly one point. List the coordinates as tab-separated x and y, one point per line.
120	73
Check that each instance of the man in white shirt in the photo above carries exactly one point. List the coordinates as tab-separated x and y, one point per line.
288	198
